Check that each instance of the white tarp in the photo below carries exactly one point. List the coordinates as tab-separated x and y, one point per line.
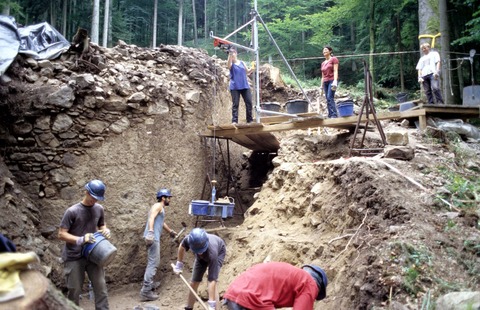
40	41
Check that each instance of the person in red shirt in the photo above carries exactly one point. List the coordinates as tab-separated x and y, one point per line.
329	82
272	285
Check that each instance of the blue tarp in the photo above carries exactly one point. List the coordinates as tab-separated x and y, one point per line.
40	41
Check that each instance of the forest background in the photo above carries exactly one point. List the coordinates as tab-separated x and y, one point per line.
381	33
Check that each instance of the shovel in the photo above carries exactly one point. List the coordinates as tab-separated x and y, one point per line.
192	290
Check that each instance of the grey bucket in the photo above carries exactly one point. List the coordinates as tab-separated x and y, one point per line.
269	106
297	106
402	97
101	253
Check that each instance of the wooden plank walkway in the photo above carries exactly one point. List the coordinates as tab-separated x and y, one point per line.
259	137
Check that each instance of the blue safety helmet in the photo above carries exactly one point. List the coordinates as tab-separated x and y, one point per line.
96	189
320	277
198	240
163	192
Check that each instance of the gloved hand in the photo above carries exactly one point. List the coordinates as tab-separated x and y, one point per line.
88	238
211	304
178	267
420	79
105	232
149	238
435	75
173	233
334	83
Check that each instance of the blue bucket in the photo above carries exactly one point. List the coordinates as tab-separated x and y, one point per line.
101	252
345	109
199	207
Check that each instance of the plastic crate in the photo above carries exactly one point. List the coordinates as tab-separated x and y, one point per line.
223	210
198	207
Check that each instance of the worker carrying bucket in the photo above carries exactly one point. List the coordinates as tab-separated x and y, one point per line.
210	251
86	249
277	285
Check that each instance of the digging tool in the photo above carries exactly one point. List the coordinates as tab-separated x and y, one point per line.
191	289
180	233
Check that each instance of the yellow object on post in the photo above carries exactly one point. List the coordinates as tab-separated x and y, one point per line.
252	65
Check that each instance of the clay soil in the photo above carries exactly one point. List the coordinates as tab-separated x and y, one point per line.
383	239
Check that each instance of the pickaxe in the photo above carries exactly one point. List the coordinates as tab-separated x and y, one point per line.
180	233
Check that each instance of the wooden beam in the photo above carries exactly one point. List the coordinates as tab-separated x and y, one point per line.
313	122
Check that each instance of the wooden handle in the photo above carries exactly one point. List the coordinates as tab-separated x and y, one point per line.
191	289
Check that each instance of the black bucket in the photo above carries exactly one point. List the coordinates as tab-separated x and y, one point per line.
269	106
297	106
402	97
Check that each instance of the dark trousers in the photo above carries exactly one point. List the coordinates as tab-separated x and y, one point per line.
74	272
247	98
233	305
431	86
330	96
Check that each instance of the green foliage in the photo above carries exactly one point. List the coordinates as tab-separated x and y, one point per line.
464	189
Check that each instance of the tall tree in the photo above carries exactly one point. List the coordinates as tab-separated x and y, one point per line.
106	20
445	51
195	34
95	21
155	14
180	22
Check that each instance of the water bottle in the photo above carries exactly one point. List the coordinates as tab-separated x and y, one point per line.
214	193
90	290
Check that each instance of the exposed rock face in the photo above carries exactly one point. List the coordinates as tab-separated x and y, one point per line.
129	116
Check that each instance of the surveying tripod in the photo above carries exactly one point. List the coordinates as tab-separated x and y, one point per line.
224	43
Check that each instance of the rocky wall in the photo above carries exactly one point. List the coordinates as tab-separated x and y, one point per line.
130	116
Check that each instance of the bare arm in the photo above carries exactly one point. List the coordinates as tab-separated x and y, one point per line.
168	229
229	61
156	208
64	235
335	72
180	253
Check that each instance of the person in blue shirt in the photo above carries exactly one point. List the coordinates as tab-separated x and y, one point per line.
239	85
153	230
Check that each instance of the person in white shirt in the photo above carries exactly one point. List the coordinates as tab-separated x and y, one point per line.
428	74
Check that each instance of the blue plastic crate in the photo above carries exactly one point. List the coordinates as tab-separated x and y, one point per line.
223	210
199	207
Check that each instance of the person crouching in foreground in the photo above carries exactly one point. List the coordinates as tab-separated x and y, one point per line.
277	285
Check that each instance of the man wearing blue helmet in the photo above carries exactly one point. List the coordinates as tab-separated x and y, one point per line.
153	230
77	227
277	285
209	253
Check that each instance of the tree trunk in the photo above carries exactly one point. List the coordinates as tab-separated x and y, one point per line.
180	22
372	42
106	20
445	52
155	16
195	36
400	49
6	9
95	21
40	294
64	18
425	14
205	19
110	35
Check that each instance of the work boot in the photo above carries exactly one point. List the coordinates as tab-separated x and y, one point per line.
148	296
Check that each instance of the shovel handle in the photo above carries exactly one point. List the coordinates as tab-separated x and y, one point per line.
192	290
